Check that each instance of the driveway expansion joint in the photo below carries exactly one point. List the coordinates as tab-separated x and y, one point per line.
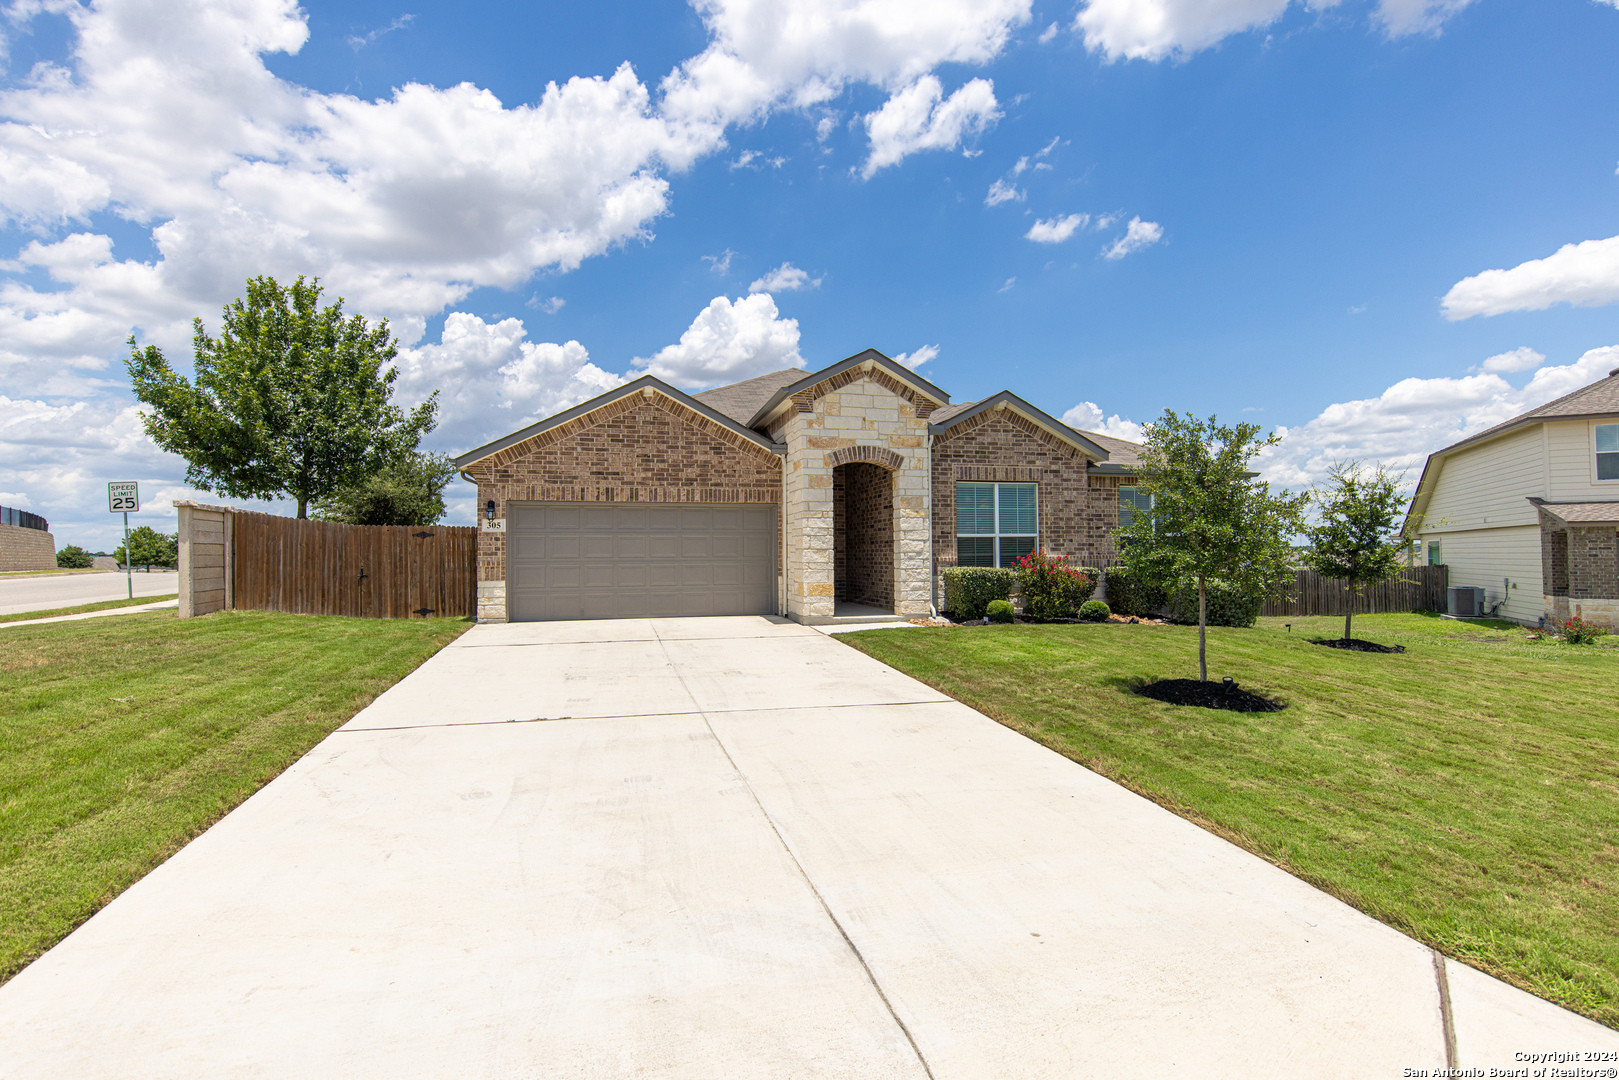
804	873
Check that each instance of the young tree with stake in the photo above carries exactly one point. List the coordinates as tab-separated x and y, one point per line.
290	399
1356	537
1211	518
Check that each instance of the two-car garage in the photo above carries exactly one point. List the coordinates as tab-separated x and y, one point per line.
578	560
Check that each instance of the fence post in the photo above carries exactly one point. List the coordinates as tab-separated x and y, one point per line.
183	558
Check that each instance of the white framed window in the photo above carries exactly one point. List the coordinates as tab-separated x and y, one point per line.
1606	437
995	523
1132	501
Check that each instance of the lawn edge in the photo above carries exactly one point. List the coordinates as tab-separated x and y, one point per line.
1237	839
80	609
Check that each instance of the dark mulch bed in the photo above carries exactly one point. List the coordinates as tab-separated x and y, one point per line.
1356	645
1210	695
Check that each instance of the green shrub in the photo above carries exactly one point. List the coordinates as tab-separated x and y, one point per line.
73	557
1227	607
1094	611
969	589
1052	589
1000	611
148	547
1130	595
1577	631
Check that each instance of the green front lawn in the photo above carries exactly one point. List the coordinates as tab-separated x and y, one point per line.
123	738
1465	792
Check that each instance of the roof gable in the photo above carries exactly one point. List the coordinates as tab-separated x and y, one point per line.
804	389
1599	399
646	384
1011	402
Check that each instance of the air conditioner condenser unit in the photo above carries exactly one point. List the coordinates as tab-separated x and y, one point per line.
1466	601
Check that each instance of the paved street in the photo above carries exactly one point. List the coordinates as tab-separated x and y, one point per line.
66	590
726	848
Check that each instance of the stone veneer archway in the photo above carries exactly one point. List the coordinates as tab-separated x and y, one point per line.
863	534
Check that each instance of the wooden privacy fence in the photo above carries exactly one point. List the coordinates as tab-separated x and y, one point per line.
1417	588
236	559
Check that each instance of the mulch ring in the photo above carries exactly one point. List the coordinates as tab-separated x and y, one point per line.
1224	694
1356	645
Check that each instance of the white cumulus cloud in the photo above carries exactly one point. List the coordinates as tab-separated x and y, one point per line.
922	355
1056	230
1415	417
1401	17
1088	416
1162	29
1523	358
920	117
728	342
1137	235
1001	191
784	278
1585	275
801	53
491	377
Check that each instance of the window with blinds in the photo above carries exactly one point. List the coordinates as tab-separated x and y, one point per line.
995	523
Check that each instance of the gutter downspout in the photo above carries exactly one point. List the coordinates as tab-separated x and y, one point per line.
781	518
933	557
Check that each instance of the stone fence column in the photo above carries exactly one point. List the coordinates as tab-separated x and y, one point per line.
205	558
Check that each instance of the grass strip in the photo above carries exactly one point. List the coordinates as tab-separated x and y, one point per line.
1465	792
58	572
79	609
122	739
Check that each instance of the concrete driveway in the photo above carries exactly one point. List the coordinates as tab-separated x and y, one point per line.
65	590
727	848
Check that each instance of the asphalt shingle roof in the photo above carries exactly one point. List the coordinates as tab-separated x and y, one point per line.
1584	513
1600	397
741	400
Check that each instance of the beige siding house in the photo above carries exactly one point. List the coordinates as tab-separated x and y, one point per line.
1528	509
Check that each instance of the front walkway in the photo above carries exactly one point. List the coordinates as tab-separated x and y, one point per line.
726	848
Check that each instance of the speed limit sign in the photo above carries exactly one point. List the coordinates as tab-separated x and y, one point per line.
124	497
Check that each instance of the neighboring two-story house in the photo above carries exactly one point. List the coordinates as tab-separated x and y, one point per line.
1528	510
808	494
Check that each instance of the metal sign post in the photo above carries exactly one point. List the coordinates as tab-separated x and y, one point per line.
125	497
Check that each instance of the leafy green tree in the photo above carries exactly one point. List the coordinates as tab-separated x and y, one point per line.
410	491
290	399
1211	519
1357	537
73	557
148	547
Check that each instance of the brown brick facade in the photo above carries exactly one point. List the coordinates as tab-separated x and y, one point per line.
635	449
1579	561
1077	511
863	534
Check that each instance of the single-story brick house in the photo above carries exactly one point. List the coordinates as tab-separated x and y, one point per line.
650	501
1528	510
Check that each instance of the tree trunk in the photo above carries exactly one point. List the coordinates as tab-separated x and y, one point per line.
1347	616
303	508
1202	636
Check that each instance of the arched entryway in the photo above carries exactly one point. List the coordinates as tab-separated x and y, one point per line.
863	529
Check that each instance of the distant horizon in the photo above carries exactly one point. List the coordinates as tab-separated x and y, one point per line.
1377	226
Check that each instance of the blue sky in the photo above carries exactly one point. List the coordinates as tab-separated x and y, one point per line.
1315	190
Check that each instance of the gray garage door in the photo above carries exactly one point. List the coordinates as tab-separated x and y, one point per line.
626	560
